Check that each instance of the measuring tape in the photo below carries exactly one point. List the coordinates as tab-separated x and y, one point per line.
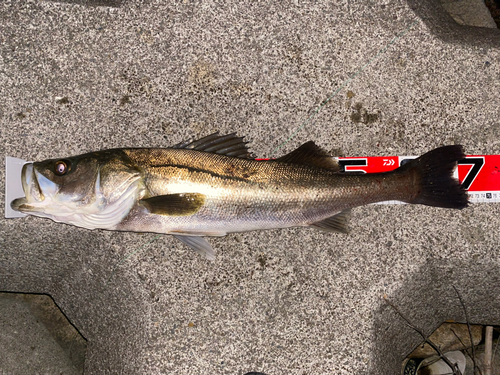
478	174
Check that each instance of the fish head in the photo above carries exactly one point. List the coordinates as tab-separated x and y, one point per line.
93	190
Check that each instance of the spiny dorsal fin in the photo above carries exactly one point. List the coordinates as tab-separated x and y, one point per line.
185	204
336	223
229	145
311	155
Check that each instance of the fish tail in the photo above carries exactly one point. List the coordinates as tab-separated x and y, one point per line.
433	174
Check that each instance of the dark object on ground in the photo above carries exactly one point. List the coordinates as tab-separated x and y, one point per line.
494	8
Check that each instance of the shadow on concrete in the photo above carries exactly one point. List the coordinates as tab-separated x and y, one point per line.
444	27
37	336
427	300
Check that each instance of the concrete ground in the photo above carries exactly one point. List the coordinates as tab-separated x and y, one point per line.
37	338
77	76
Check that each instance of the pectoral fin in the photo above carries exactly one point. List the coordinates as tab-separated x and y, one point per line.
336	223
185	204
199	245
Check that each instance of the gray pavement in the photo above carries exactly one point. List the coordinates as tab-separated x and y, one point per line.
76	77
35	337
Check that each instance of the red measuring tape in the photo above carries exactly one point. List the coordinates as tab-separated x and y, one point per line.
479	174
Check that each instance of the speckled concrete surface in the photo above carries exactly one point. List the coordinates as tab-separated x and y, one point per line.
76	77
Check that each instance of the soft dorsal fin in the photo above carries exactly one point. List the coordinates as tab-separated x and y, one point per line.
311	155
229	145
336	223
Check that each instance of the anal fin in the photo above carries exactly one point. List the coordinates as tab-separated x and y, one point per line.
335	223
199	245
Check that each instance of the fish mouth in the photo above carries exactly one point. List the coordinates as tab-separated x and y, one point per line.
21	205
31	190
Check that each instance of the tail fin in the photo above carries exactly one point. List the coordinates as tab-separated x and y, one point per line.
434	174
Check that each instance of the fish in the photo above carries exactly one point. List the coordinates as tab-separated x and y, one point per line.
214	186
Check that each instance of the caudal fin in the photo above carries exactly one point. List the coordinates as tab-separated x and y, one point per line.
434	176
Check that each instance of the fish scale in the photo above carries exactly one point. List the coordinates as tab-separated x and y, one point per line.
275	195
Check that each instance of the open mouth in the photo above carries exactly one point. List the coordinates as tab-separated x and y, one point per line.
20	204
31	190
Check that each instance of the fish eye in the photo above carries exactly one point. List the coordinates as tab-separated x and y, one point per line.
61	167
